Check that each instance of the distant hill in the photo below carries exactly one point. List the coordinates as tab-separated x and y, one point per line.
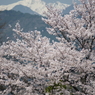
23	9
39	6
68	9
27	21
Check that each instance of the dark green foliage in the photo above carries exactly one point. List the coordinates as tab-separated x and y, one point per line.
57	86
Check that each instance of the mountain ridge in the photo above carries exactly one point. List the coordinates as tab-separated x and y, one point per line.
29	22
24	9
37	6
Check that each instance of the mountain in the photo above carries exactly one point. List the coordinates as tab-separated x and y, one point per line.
58	5
23	9
27	21
68	9
37	6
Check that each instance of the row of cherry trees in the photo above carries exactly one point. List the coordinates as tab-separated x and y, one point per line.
32	65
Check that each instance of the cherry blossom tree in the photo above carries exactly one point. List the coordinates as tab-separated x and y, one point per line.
32	65
77	30
77	26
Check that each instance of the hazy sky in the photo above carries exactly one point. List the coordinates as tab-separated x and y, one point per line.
5	2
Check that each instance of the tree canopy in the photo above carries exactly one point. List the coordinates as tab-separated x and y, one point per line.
32	65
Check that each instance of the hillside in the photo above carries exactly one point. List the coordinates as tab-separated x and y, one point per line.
27	21
24	9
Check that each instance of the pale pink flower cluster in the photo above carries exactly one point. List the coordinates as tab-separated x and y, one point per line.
29	65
